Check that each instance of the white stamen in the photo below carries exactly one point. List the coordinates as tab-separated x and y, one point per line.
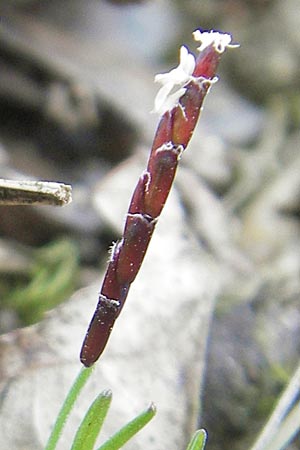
220	41
174	82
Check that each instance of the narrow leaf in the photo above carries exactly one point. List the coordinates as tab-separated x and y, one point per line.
282	408
67	406
286	431
128	431
198	440
92	422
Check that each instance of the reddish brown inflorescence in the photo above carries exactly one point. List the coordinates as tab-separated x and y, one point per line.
172	136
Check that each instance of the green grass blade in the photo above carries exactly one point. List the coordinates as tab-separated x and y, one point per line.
128	431
91	424
281	410
198	440
67	406
286	431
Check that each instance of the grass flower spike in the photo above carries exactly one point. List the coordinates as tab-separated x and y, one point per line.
180	111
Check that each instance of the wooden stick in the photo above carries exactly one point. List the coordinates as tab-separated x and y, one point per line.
34	192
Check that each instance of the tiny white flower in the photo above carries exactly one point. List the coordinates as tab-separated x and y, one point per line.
165	99
220	41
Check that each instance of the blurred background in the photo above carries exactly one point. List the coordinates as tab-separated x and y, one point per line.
76	91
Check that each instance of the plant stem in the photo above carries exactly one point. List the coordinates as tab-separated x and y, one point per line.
67	406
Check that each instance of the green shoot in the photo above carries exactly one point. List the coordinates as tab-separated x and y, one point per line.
287	430
198	440
284	423
92	423
67	406
128	431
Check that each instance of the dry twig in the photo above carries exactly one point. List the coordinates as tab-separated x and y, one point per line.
34	192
